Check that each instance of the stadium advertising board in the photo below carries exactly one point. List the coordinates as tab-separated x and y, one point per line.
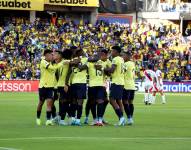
37	5
83	3
174	87
19	86
32	86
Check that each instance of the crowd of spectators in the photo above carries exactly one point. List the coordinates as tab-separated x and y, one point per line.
22	44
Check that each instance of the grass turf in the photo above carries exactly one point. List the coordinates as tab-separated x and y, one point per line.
157	126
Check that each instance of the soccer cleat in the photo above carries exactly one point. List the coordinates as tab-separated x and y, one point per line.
62	123
94	123
163	102
49	123
122	121
86	120
130	121
56	120
73	121
77	122
38	122
146	102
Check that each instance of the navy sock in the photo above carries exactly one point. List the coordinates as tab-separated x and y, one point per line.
79	111
73	108
38	114
127	110
64	109
131	106
87	110
48	115
100	110
53	111
93	110
119	113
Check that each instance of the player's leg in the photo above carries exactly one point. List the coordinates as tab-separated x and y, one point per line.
53	106
106	101
64	106
116	92
81	95
131	96
73	104
39	106
126	104
154	97
146	95
163	97
100	104
88	106
49	103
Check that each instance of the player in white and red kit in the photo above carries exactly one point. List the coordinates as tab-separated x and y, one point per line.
158	87
150	80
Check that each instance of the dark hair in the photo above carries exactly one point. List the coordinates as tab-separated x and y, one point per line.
117	48
103	50
67	54
47	51
150	66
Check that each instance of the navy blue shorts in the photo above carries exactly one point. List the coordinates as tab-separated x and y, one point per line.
79	91
128	95
62	94
46	93
116	92
96	93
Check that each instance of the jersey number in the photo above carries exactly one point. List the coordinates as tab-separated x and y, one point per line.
99	73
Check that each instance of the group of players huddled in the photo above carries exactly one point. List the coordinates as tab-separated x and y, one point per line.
72	77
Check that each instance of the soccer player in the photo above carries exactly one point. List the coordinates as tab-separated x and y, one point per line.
78	87
117	83
129	88
46	86
159	86
62	83
150	80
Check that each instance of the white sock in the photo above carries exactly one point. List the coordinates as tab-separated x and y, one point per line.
150	98
163	99
154	99
146	97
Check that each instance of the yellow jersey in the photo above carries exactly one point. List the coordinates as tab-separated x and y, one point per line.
79	76
47	77
96	77
129	75
61	73
118	75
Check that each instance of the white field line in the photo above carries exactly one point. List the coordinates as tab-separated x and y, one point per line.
98	138
7	148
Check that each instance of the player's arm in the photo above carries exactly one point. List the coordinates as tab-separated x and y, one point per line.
111	69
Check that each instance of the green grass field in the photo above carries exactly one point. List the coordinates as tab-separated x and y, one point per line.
156	127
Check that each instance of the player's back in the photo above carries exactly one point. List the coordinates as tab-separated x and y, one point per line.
159	76
150	75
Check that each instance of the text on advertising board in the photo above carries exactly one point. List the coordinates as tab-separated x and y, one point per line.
84	3
37	5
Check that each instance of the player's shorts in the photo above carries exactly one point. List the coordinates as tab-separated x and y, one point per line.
128	94
62	94
79	91
116	92
148	86
55	94
46	93
96	93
